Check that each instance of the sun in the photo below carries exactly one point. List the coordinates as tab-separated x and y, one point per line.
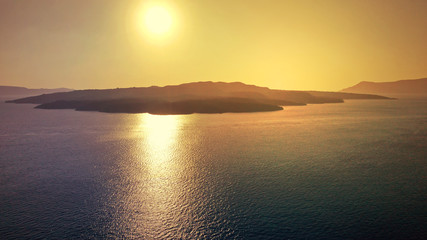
158	20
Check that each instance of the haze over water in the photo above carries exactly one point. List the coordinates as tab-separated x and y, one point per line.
336	171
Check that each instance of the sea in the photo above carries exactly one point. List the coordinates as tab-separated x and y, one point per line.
353	170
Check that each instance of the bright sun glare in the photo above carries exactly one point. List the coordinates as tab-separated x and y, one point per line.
158	20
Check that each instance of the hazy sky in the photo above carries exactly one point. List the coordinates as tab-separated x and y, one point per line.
318	44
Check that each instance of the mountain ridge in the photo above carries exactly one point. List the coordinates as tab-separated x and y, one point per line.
399	88
15	91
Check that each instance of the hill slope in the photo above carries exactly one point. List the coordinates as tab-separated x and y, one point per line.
14	92
414	87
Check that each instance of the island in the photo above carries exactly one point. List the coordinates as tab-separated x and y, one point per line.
196	97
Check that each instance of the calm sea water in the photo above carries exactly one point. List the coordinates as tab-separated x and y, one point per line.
356	170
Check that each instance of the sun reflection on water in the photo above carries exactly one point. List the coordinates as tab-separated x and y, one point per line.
163	189
160	138
163	196
160	134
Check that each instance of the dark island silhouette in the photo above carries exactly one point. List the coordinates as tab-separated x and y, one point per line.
197	97
221	105
401	89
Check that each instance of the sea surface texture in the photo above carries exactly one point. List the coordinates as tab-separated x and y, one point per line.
356	170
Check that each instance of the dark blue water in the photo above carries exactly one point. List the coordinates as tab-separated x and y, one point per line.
356	170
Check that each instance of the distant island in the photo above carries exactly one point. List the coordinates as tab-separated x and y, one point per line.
401	88
197	97
15	92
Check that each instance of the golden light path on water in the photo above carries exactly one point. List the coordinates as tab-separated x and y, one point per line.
160	133
163	202
164	191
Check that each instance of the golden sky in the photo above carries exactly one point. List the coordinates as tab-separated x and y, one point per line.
300	44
